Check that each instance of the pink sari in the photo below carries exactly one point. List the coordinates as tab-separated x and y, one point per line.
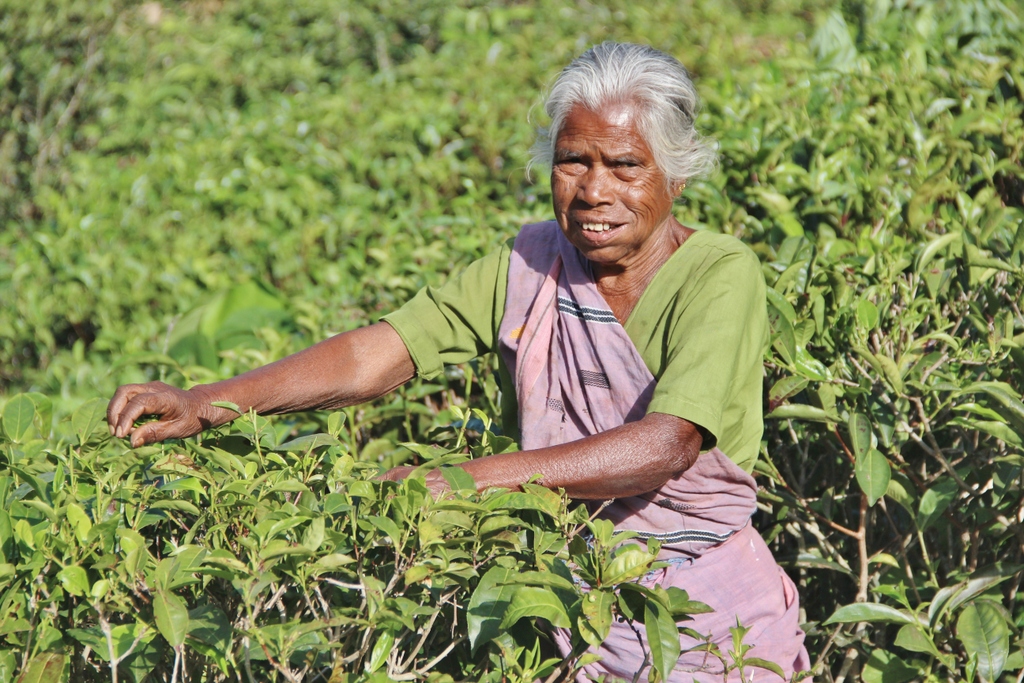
577	373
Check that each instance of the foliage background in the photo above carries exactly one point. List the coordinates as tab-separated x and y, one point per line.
190	190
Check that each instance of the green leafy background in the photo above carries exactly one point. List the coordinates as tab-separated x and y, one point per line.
191	190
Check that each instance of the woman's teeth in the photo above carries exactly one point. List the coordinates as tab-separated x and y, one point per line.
595	227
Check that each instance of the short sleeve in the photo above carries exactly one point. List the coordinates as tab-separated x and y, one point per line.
457	321
715	345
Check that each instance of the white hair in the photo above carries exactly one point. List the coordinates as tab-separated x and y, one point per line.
665	97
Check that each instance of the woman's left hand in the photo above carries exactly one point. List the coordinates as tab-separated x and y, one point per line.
434	480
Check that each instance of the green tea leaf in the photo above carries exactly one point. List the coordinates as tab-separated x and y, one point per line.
548	579
18	415
932	249
786	387
662	638
45	667
458	479
531	601
88	417
171	617
74	580
935	501
306	443
873	474
799	411
381	650
488	604
595	620
764	664
867	315
984	634
912	637
335	423
629	562
885	667
869	611
860	434
208	625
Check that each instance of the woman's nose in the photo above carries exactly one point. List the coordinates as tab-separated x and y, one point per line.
595	187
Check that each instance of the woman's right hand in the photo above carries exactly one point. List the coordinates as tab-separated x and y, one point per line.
182	413
344	370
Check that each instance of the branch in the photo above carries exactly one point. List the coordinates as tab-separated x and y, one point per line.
444	653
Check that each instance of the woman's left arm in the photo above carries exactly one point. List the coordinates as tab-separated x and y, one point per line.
625	461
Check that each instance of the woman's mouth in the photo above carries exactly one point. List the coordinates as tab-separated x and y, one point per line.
597	233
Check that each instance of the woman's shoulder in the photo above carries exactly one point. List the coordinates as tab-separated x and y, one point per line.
710	255
720	245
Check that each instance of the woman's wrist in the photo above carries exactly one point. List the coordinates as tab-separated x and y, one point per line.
205	396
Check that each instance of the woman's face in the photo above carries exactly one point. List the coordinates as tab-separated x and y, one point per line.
609	196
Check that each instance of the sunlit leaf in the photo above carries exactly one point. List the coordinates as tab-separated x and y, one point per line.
531	601
488	604
18	415
869	611
662	638
171	617
984	633
873	474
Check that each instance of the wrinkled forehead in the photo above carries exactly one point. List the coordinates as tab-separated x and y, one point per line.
616	124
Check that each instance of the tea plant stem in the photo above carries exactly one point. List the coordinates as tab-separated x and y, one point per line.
246	661
814	513
823	655
426	631
342	584
903	548
846	449
862	585
105	628
862	550
284	671
936	451
560	669
1015	528
275	598
444	653
647	655
849	660
177	664
927	559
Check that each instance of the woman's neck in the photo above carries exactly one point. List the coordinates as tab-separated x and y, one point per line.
622	287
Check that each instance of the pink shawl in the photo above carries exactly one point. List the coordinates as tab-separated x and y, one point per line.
577	373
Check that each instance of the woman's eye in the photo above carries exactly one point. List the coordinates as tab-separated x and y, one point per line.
627	171
571	165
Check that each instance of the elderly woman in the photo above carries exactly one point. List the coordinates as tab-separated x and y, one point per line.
630	351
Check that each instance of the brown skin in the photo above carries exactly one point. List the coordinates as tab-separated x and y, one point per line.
344	370
604	173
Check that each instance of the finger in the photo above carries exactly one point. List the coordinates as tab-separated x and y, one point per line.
121	397
152	432
142	404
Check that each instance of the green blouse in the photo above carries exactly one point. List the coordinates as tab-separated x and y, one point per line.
701	326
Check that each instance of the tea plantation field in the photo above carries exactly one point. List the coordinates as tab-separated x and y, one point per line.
189	190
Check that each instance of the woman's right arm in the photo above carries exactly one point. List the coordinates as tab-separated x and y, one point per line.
350	368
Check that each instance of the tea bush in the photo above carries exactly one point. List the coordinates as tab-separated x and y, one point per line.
188	192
